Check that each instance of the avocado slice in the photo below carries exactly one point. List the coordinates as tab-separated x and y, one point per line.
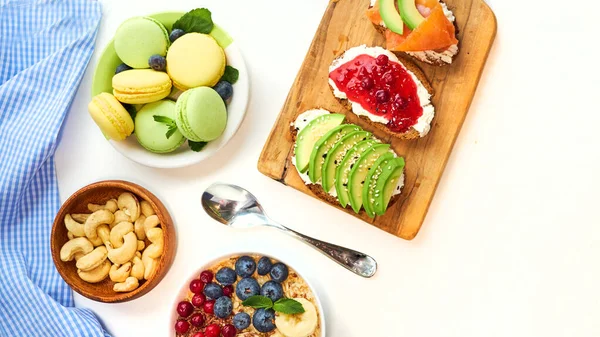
368	192
359	173
390	16
337	153
323	146
310	135
386	183
342	172
409	13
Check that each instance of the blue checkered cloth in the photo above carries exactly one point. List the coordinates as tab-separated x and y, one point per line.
45	46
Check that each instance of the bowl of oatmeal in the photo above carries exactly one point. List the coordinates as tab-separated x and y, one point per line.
247	295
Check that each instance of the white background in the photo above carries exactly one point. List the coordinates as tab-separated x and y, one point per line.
511	242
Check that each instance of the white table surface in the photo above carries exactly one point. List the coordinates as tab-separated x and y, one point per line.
511	242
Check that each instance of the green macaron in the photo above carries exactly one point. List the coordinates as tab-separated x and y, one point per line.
201	114
151	134
139	38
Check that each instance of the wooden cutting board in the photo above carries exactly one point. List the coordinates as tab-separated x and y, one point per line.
345	25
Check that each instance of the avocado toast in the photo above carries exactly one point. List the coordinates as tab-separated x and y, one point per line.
345	165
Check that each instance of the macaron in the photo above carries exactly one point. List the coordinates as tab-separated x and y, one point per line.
140	86
195	60
110	115
139	38
201	114
152	135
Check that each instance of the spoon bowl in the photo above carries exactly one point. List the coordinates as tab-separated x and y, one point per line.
234	206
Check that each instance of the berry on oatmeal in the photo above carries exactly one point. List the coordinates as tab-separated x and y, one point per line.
223	307
228	290
213	330
264	266
226	276
264	320
182	326
272	290
198	300
241	320
184	308
245	266
197	320
213	291
196	286
247	287
206	276
279	272
209	306
228	331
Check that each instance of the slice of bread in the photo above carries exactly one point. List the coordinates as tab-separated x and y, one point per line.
318	190
434	57
412	133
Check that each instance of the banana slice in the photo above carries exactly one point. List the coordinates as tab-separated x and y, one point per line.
298	325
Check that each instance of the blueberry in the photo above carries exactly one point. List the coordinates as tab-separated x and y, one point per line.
247	287
157	62
279	272
223	307
175	34
226	276
241	320
263	320
245	266
224	89
272	290
264	265
213	291
122	67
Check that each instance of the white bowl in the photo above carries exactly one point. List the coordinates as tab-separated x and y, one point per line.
184	290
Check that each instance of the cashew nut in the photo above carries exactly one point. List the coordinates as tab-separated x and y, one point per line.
70	236
93	259
120	216
103	236
79	217
118	232
141	245
97	218
120	274
147	209
131	283
151	222
129	204
124	253
138	254
137	270
79	256
110	205
155	250
73	226
139	227
97	274
72	247
150	266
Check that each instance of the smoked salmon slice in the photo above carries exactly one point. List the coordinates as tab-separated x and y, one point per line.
435	33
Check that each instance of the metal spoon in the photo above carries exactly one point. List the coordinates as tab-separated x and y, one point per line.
236	207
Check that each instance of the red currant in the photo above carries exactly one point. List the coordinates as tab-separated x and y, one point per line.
199	334
206	276
228	331
196	286
198	300
212	330
197	320
182	326
228	290
209	306
184	308
382	60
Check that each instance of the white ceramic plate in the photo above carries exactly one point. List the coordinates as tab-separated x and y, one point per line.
183	291
236	110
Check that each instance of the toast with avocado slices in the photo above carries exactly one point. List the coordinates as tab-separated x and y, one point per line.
344	164
423	29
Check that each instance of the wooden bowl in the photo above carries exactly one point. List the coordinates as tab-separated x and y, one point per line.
99	193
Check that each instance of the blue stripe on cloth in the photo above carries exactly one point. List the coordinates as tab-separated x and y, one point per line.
45	46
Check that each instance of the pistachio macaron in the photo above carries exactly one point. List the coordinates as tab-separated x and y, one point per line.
152	134
201	114
141	86
139	38
195	60
110	116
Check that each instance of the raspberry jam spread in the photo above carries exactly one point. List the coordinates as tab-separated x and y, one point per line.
381	87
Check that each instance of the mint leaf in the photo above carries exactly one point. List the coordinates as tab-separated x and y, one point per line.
197	20
288	306
131	109
258	302
196	146
230	75
171	131
163	119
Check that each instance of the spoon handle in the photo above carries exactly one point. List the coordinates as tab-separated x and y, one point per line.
357	262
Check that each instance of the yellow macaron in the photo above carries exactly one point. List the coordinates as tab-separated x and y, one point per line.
141	86
195	60
110	115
